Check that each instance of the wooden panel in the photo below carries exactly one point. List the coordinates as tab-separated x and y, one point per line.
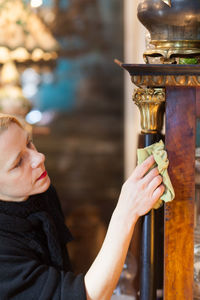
198	102
179	214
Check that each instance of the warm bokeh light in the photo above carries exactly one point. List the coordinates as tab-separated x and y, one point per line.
23	35
36	3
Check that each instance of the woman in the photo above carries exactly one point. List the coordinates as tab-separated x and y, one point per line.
33	258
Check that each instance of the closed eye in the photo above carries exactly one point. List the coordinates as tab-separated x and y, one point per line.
19	163
30	144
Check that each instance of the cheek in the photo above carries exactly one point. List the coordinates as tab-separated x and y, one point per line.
8	185
21	176
19	184
15	181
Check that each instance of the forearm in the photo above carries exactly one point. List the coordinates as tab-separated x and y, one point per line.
104	273
138	195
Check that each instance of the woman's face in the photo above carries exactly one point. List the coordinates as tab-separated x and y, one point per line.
22	170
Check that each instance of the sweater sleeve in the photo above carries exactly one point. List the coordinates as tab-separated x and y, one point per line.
23	276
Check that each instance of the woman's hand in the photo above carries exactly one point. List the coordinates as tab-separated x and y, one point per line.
141	190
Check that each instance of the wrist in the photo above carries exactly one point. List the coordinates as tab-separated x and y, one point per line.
124	219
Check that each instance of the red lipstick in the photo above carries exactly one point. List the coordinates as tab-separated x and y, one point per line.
44	174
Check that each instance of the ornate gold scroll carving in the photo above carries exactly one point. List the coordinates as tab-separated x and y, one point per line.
165	80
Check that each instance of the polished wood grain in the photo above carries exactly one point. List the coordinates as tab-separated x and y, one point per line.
179	214
198	102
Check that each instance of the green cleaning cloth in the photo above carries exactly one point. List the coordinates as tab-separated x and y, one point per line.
160	156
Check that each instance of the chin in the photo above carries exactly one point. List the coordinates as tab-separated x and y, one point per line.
44	186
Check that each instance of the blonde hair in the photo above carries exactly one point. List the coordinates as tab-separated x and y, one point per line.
6	120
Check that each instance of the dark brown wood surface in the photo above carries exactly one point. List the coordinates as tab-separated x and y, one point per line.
166	69
179	214
198	102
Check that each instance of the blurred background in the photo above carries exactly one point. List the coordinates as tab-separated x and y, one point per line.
77	113
58	73
84	95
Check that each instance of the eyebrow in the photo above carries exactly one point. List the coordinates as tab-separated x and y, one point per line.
14	162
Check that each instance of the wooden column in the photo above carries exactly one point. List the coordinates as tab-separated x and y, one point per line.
182	83
197	102
179	214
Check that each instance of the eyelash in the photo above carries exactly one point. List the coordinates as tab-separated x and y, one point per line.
29	145
19	163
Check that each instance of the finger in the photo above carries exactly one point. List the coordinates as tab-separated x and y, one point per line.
158	192
150	176
142	169
156	181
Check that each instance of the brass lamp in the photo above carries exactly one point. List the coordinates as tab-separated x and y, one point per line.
174	29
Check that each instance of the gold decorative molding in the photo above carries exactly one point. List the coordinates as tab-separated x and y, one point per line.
151	105
165	80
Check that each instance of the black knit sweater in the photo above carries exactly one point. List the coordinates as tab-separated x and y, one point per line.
34	263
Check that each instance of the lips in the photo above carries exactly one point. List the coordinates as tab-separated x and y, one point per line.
44	174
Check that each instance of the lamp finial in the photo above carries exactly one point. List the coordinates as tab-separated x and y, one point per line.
168	2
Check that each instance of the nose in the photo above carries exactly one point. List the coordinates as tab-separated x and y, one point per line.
37	159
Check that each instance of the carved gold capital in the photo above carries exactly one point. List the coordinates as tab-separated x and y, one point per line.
151	105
